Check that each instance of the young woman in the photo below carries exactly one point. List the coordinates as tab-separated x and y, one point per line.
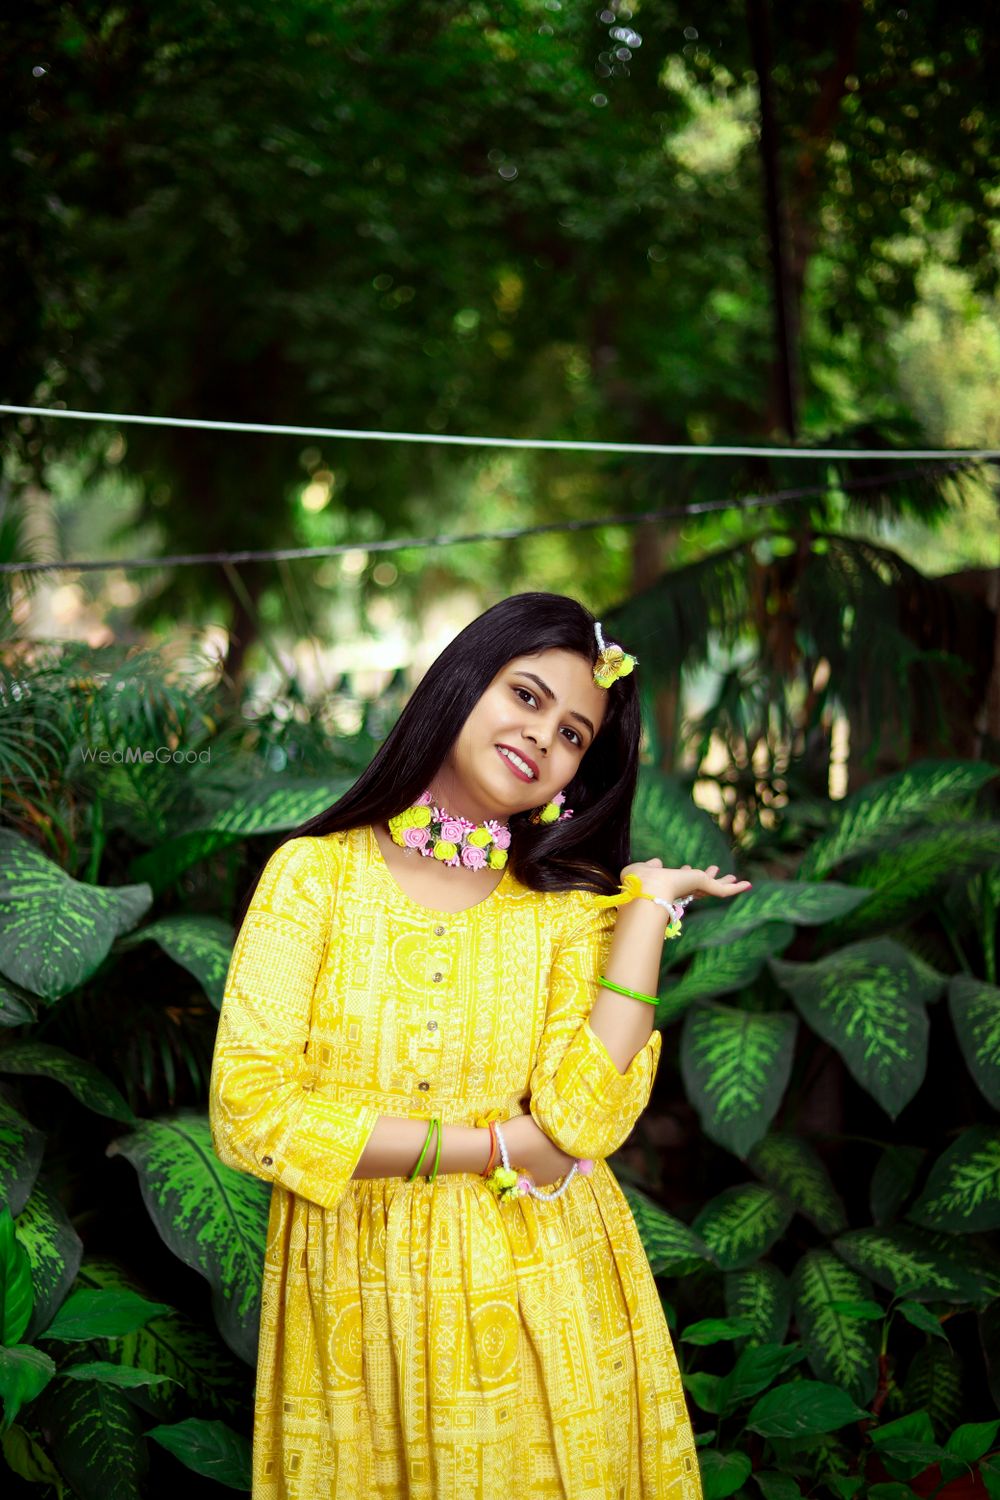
432	984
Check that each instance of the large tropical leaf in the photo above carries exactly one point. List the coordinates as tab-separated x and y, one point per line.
975	1014
24	1374
54	930
736	1065
211	1216
17	1007
92	1313
895	1173
790	1165
202	945
54	1250
929	1265
868	1001
840	1348
792	901
876	814
94	1434
21	1150
266	806
934	1383
802	1407
962	1193
763	1294
209	1448
84	1081
672	1249
741	1223
716	971
667	824
905	879
722	1474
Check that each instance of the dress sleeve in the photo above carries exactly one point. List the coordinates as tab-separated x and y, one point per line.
268	1114
578	1096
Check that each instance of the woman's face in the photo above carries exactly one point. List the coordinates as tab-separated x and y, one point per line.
544	708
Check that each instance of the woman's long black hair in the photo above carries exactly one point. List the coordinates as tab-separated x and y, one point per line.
587	850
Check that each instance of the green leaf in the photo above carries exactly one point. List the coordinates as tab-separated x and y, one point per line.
209	1448
84	1081
755	1368
895	1173
803	1407
16	1292
54	930
95	1437
972	1440
962	1192
704	1389
868	1002
202	945
934	1382
672	1249
24	1374
665	817
741	1224
841	1349
54	1250
922	1318
906	1446
26	1458
21	1149
735	1065
876	814
126	1376
789	1164
975	1014
211	1216
762	1294
17	1007
90	1314
904	879
716	1330
787	901
931	1265
776	1486
716	971
722	1474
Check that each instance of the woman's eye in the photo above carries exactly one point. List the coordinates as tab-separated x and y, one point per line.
528	694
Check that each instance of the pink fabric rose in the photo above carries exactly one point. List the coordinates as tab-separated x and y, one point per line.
501	835
452	830
415	838
424	800
473	858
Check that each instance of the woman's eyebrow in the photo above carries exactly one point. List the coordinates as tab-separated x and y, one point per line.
572	712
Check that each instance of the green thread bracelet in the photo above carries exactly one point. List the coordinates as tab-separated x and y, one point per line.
427	1140
437	1158
634	994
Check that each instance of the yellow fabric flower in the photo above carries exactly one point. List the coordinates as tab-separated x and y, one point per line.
611	664
444	849
549	813
496	859
480	838
631	890
412	817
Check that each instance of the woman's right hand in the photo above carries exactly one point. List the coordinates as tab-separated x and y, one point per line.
529	1147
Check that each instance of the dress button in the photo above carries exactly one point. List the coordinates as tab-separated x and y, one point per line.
432	1026
268	1161
439	932
423	1084
436	977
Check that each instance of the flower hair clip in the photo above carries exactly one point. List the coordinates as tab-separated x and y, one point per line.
551	813
612	661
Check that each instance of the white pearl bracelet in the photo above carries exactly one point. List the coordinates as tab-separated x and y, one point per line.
532	1190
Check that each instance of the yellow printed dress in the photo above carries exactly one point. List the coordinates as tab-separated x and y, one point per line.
424	1340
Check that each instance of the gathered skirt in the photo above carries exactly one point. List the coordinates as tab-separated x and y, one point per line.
429	1342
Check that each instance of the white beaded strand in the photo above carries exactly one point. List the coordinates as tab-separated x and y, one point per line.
532	1190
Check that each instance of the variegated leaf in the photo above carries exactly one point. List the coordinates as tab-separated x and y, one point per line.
763	1294
202	945
21	1150
263	807
876	814
904	880
54	1250
666	820
84	1081
672	1249
211	1216
930	1266
209	1448
962	1193
17	1007
741	1223
94	1433
716	971
736	1065
839	1348
54	930
792	901
789	1164
934	1384
975	1014
868	1001
892	1182
24	1374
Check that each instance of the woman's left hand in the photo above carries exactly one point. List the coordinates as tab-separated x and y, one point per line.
672	885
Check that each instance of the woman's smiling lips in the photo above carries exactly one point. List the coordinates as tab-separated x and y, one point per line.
517	772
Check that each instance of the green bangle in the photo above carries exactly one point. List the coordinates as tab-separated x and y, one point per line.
427	1139
634	994
437	1158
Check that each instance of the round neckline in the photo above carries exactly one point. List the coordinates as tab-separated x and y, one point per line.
378	859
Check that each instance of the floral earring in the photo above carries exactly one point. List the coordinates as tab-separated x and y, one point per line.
550	812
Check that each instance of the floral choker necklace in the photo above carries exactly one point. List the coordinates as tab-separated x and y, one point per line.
452	841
